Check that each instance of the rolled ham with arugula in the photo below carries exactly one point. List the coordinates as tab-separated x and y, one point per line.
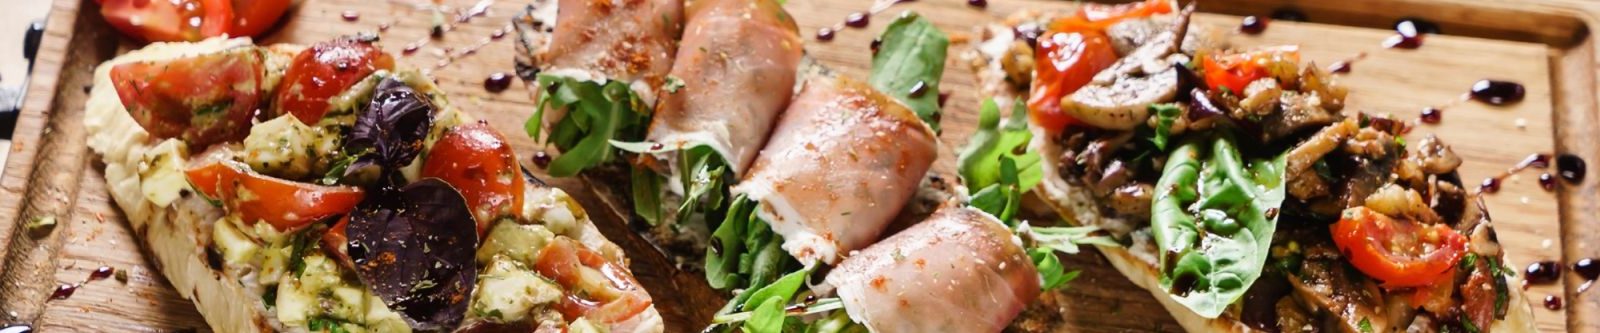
605	59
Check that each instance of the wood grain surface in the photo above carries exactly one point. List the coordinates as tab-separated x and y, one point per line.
1544	44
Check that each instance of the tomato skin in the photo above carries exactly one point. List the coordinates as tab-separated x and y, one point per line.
479	162
1236	71
605	291
1399	253
286	205
165	21
254	17
202	99
323	71
1064	62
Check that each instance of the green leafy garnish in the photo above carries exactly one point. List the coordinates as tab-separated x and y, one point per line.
1214	213
596	114
297	254
912	54
1365	325
1050	269
979	162
646	194
705	178
744	251
767	316
1166	115
340	164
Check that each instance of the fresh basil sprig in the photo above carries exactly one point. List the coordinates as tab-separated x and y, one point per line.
597	113
1214	214
910	63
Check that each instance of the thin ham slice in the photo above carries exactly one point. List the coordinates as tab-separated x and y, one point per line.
842	161
625	40
959	271
737	66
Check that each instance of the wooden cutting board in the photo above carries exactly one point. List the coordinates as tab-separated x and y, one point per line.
1543	44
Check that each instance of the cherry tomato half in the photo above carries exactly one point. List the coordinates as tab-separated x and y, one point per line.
168	21
479	162
1399	253
1236	71
1064	62
323	71
286	205
605	292
203	99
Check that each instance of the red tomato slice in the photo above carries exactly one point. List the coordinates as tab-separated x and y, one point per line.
286	205
1399	253
169	21
254	17
203	99
325	70
1064	62
1236	71
479	162
598	289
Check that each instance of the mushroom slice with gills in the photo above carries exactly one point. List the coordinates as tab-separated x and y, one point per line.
1119	97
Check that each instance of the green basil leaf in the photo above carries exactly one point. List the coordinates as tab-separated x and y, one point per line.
1213	218
597	115
912	54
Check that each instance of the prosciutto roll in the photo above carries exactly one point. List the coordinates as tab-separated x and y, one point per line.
842	161
737	66
624	40
959	271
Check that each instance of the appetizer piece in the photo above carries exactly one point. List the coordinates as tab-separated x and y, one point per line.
596	74
1242	197
734	75
290	188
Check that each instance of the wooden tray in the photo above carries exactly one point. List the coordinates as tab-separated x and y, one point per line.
1544	44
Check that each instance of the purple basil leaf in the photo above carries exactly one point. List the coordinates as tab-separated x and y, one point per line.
393	126
414	247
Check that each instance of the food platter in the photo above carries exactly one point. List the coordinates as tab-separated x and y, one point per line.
1546	46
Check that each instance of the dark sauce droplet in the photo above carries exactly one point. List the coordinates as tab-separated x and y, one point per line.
858	20
1253	25
63	291
1341	67
978	3
1432	115
1415	26
1490	185
1571	168
101	273
1399	41
1587	268
1552	302
497	82
1289	14
825	34
1496	92
1547	182
19	328
1540	161
876	43
1029	32
350	16
944	96
918	89
411	48
541	159
1543	272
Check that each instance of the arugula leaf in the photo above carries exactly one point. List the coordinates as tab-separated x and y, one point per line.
979	162
597	114
837	322
705	178
1213	217
1166	114
744	251
646	191
768	316
1067	239
1050	269
912	54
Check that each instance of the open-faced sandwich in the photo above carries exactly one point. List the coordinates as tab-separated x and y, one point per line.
322	188
1243	195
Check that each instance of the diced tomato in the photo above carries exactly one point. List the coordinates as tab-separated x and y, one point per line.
333	242
479	162
1400	253
286	205
323	71
168	21
1236	71
1064	62
254	17
203	99
598	289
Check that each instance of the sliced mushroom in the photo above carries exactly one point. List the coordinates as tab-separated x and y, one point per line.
1119	97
